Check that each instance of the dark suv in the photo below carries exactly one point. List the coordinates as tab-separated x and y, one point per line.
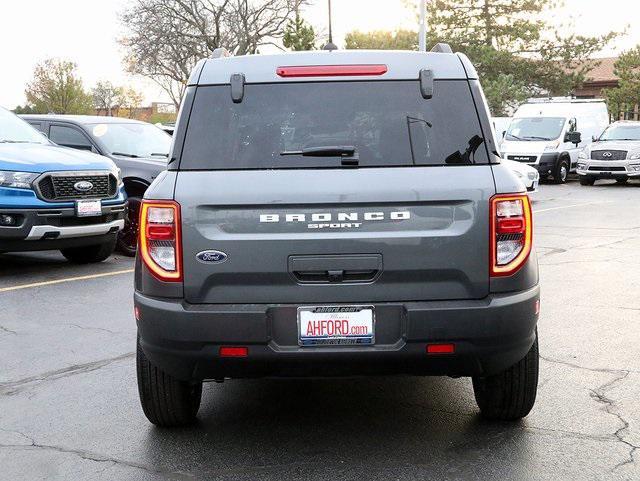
334	214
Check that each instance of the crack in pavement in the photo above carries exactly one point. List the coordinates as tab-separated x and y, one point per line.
599	395
14	387
7	330
99	458
89	328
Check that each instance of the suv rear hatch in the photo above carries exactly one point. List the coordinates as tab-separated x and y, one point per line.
336	192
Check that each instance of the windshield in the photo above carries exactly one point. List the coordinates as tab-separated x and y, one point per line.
132	139
15	130
332	125
535	128
621	132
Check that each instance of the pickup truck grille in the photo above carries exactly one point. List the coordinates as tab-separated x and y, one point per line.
608	154
57	187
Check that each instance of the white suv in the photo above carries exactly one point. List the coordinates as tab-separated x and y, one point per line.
615	155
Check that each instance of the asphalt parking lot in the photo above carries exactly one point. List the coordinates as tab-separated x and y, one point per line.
69	405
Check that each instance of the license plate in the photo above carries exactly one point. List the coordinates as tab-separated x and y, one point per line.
88	208
336	325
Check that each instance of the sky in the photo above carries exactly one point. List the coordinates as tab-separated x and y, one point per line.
86	32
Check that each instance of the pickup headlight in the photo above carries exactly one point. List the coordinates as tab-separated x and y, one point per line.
17	180
582	155
635	156
582	166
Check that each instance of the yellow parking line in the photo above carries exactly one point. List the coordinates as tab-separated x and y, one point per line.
68	279
572	205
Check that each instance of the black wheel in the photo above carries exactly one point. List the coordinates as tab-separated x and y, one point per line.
90	254
587	180
128	237
561	172
510	394
165	400
622	180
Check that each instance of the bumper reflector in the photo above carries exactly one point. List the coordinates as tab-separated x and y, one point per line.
234	351
441	348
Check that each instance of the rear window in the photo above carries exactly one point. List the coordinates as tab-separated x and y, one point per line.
388	123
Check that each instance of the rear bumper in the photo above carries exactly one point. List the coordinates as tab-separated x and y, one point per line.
490	335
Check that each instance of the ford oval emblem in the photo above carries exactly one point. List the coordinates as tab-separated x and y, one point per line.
211	257
83	186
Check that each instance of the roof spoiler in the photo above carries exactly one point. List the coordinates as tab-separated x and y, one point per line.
441	48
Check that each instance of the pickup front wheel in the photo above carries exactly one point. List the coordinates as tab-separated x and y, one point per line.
90	254
166	401
510	394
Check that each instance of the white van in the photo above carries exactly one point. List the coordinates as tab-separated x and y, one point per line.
548	134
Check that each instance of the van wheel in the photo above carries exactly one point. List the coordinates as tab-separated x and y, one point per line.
587	180
561	172
510	394
166	401
90	254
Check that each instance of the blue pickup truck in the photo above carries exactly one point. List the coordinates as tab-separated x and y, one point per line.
53	197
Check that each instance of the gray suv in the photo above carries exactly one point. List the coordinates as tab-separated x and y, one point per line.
335	214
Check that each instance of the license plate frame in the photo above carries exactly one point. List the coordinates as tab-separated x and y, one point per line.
354	315
88	208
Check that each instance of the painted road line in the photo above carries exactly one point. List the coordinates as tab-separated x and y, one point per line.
68	279
571	205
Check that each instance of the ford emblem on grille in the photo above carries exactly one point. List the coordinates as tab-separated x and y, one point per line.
211	257
83	186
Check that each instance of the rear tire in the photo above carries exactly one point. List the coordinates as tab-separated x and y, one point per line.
166	401
561	172
90	254
510	394
587	180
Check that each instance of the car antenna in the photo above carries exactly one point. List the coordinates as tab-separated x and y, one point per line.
330	45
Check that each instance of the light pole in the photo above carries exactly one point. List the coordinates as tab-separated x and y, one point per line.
422	40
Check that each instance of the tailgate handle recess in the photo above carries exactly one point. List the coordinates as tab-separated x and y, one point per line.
332	269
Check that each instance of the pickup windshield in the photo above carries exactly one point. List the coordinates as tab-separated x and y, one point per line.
535	128
383	123
132	139
16	130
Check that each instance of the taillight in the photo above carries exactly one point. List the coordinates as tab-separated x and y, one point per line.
511	233
160	239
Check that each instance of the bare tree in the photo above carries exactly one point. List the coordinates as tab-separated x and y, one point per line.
166	38
105	96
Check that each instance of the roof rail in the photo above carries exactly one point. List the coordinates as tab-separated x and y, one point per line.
441	48
220	52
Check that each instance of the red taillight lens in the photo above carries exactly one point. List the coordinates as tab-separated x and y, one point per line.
160	239
511	233
331	70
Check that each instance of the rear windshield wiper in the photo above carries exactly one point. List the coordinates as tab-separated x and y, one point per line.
325	151
124	154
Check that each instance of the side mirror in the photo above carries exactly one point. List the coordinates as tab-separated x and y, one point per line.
573	137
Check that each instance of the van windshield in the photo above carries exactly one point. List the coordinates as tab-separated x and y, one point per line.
321	124
535	128
621	132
